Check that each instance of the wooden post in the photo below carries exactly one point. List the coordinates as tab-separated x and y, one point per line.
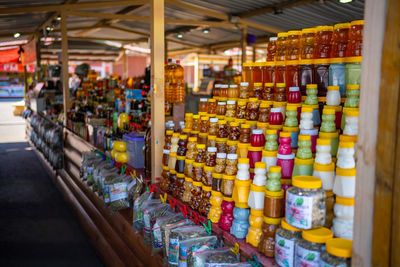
375	13
244	44
38	54
125	59
25	81
157	87
65	78
254	53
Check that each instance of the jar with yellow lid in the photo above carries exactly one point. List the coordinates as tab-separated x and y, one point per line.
191	148
352	73
172	161
231	147
268	92
243	149
241	191
187	190
230	109
174	142
258	90
212	107
310	248
215	210
345	182
228	182
343	222
189	120
267	243
196	123
205	200
198	171
179	186
195	199
211	141
338	253
220	163
234	131
194	133
207	175
240	224
216	182
303	162
164	179
226	219
254	233
221	144
285	243
252	109
274	203
305	203
241	109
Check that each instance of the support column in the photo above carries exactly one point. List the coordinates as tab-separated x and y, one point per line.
38	55
254	53
157	87
244	44
125	59
65	78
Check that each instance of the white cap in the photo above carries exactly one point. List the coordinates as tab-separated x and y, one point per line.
165	151
213	120
276	109
244	84
211	149
294	89
224	86
221	155
273	38
218	85
203	99
231	102
221	103
257	131
232	156
233	85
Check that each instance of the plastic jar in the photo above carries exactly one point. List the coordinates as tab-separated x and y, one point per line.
231	147
260	171
252	109
241	191
222	129
205	200
230	109
351	123
241	109
211	156
233	91
286	238
196	123
243	169
195	200
223	91
216	181
189	120
212	141
243	149
221	145
201	153
253	124
215	210
258	90
187	190
172	161
179	186
268	92
165	157
269	157
274	203
334	141
234	131
204	124
262	126
172	181
257	138
345	182
203	105
333	96
338	253
220	163
164	179
343	222
188	171
303	166
243	90
330	201
231	164
305	203
180	164
221	108
326	173
197	171
228	182
226	219
191	146
267	243
245	133
309	249
240	224
212	106
202	139
254	233
256	197
275	116
207	175
264	110
213	126
254	154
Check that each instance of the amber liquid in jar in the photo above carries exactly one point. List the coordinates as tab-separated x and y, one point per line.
203	105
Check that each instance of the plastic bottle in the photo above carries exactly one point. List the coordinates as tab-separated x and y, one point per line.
171	85
285	157
354	47
240	224
307	44
303	163
323	42
166	81
292	60
271	48
248	75
179	92
281	47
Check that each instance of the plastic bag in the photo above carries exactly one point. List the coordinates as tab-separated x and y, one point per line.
150	215
187	247
115	192
142	202
215	258
156	237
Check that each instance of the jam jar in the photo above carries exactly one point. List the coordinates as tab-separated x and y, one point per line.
188	171
228	182
241	109
245	133
231	164
182	145
165	157
207	175
164	179
233	91
244	90
187	186
197	171
280	92
168	139
191	148
265	108
212	107
221	163
186	131
234	131
194	133
204	124
223	91
179	188
189	120
196	195
201	153
231	147
205	200
258	90
174	142
275	116
222	129
252	109
274	203
172	181
294	95
221	145
257	138
202	138
268	92
203	105
172	161
254	155
230	108
267	243
221	108
211	156
211	141
213	126
216	181
196	123
180	164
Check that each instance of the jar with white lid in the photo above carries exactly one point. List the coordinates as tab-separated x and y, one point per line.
345	182
260	172
230	108
286	238
256	197
338	253
333	96
345	156
351	123
243	169
306	119
310	248
305	203
343	222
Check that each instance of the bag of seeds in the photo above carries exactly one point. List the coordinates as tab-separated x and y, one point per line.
156	237
215	257
187	247
115	192
178	235
138	223
135	188
88	170
150	215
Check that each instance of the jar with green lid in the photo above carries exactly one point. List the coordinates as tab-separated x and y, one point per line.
285	243
310	248
328	121
305	203
352	96
338	253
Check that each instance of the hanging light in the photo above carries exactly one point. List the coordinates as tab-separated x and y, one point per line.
17	35
180	35
59	18
345	1
206	30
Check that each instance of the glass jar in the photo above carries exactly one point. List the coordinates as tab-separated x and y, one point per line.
168	139
189	120
228	182
207	175
182	145
204	124
221	108
165	157
253	124
186	131
211	156
223	91
258	90
172	161
187	190
203	105
188	171
311	214
231	147
234	131
164	179
197	171
205	200
179	189
216	181
267	243
211	141
285	242
274	203
245	133
265	108
213	127
202	138
196	123
230	108
241	109
257	138
191	148
201	153
221	145
338	253
222	129
195	200
231	164
212	106
268	92
172	181
309	249
220	163
233	91
252	109
243	90
180	164
280	92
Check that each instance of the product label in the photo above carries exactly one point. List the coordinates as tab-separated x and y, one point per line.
173	251
106	194
306	257
183	254
324	264
299	210
146	220
157	236
118	191
284	252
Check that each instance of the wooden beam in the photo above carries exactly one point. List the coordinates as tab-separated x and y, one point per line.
100	39
108	16
157	87
126	30
375	12
244	45
206	23
64	69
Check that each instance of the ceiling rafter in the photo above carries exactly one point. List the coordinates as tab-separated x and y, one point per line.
274	7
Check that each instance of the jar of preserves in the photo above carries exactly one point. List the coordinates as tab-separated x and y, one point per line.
221	145
216	181
164	179
172	161
228	182
274	203
257	138
252	109
227	206
231	147
329	203
265	108
275	116
165	157
180	181
338	253
221	108
285	242
188	171
258	90
195	200
203	105
172	181
223	91
230	108
205	200
222	129
221	162
191	148
211	141
267	243
204	124
196	123
207	175
187	190
211	156
168	139
253	124
215	210
197	171
294	95
268	92
194	133
309	249
189	120
245	133
233	91
212	106
201	153
186	131
234	131
241	109
231	164
202	138
174	142
180	164
243	90
307	190
182	145
280	92
213	127
254	155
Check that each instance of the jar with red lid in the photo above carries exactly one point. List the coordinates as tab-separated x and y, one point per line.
203	105
212	106
257	138
182	145
222	129
221	108
223	91
204	124
234	131
267	243
227	206
264	110
201	153
230	109
245	133
165	157
202	139
196	195
233	91
211	156
196	123
241	109
205	200
258	90
275	116
280	92
268	92
164	179
254	155
294	95
252	109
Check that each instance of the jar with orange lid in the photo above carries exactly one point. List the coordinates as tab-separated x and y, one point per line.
241	109
207	175
228	182
354	47
215	210
245	133
267	243
196	199
202	139
187	190
179	186
253	236
212	106
201	153
285	243
196	123
280	92
244	90
203	105
164	179
338	253
168	139
211	141
222	129
311	246
258	90
191	148
188	170
264	110
231	147
268	92
252	109
205	205
233	91
230	109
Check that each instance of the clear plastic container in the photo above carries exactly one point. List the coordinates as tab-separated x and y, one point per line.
338	253
134	148
285	244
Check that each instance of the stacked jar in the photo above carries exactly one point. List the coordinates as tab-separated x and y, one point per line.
285	157
303	163
270	150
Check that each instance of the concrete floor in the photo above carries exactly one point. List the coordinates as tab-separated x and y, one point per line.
37	228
